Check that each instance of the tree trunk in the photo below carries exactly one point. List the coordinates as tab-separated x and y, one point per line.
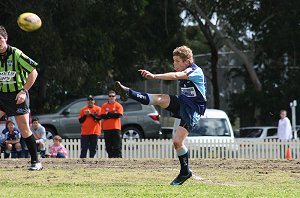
214	74
242	56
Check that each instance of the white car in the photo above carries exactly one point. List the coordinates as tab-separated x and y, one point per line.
213	131
257	133
213	125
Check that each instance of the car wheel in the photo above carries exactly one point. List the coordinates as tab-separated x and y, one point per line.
50	133
132	133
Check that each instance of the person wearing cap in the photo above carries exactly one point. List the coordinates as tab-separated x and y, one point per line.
111	113
89	117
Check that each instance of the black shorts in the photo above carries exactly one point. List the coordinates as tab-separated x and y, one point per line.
9	106
174	108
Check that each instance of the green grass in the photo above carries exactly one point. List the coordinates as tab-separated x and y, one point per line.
119	180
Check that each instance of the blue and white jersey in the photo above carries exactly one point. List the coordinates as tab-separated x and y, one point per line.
195	86
12	136
193	95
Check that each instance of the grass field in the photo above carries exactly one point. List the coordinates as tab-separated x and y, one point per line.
149	178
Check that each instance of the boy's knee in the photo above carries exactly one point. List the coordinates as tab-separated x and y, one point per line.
177	144
18	146
9	147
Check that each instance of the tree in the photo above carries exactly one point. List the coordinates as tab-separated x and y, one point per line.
274	38
203	12
84	46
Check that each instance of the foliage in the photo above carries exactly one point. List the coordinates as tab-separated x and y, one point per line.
84	46
212	42
270	30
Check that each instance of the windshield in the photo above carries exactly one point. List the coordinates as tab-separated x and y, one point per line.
211	127
250	133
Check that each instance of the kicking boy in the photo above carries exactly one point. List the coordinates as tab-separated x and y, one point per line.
188	106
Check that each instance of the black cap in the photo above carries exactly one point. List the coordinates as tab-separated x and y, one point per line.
90	97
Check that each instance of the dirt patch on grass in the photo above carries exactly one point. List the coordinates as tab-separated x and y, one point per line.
229	164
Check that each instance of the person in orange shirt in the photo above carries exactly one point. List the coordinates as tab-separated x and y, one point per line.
89	117
111	113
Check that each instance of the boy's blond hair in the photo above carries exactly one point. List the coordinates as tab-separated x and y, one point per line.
184	52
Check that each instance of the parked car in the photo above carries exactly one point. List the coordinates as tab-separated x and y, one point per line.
138	121
214	129
213	124
258	133
214	134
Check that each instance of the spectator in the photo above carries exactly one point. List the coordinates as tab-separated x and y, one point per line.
5	130
57	150
12	140
111	112
89	117
284	130
18	75
39	133
25	153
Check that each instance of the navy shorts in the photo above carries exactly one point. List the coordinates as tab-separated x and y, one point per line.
9	106
174	108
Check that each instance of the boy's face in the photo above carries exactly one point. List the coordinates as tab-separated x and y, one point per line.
91	103
35	124
111	97
282	114
179	64
3	44
11	127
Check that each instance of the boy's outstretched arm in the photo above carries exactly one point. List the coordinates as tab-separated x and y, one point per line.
164	76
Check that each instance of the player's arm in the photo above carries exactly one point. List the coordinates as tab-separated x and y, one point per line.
20	98
164	76
43	134
31	79
12	141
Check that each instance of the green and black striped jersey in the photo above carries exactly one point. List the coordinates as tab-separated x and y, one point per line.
14	69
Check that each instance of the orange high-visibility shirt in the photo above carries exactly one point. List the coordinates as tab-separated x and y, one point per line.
112	123
90	126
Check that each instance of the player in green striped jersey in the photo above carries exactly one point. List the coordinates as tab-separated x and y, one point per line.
17	75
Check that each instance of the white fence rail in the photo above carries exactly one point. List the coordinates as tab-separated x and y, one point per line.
163	148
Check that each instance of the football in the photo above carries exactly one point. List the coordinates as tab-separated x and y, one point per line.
29	22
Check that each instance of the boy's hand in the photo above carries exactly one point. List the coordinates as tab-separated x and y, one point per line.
146	74
20	98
